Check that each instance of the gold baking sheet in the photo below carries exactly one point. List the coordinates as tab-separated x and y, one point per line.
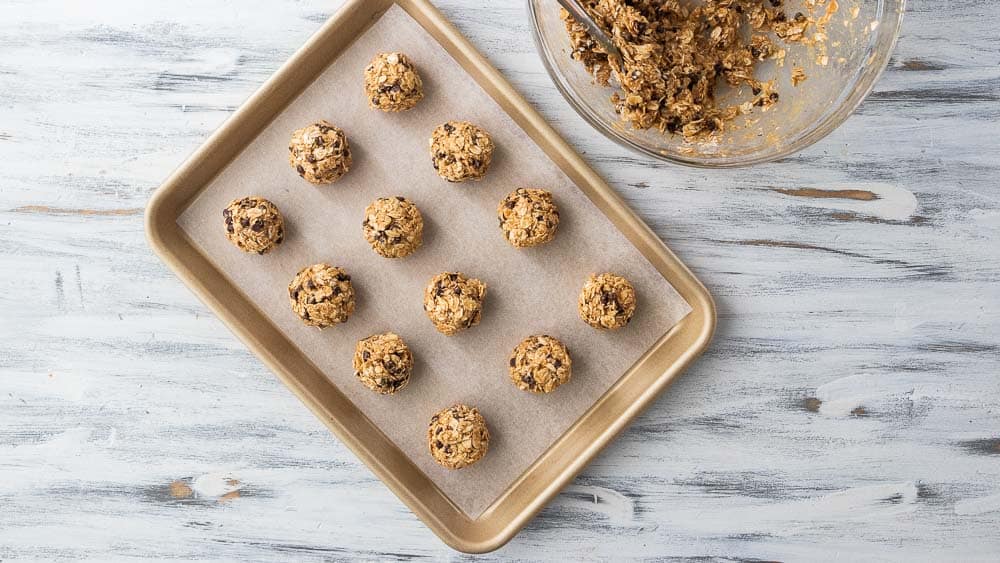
531	291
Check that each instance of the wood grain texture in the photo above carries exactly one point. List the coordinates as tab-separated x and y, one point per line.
849	407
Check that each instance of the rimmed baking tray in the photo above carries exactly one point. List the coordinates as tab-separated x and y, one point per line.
496	523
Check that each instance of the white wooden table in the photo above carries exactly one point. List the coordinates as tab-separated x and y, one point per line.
849	406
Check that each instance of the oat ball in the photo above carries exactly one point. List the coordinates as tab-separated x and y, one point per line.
528	217
454	302
383	362
607	301
461	151
320	153
393	226
539	364
254	224
458	437
392	83
322	295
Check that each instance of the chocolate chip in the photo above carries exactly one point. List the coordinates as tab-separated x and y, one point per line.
458	291
448	128
557	363
437	443
244	222
512	362
300	169
257	226
310	158
365	355
319	141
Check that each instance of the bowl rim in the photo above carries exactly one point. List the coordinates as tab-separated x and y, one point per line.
879	60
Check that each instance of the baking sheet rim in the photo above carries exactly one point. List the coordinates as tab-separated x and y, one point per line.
643	382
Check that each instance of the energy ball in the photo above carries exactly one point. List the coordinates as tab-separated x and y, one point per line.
383	362
392	83
528	217
454	302
320	153
254	224
458	437
393	226
540	364
461	151
607	301
322	295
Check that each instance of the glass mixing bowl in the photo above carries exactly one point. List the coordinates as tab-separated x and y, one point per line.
861	36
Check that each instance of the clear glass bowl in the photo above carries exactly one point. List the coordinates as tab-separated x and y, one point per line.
858	48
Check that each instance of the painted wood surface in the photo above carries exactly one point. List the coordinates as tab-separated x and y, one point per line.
848	408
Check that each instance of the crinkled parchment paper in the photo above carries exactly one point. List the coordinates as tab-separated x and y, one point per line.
530	291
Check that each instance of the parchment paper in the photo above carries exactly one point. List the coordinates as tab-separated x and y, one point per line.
530	291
